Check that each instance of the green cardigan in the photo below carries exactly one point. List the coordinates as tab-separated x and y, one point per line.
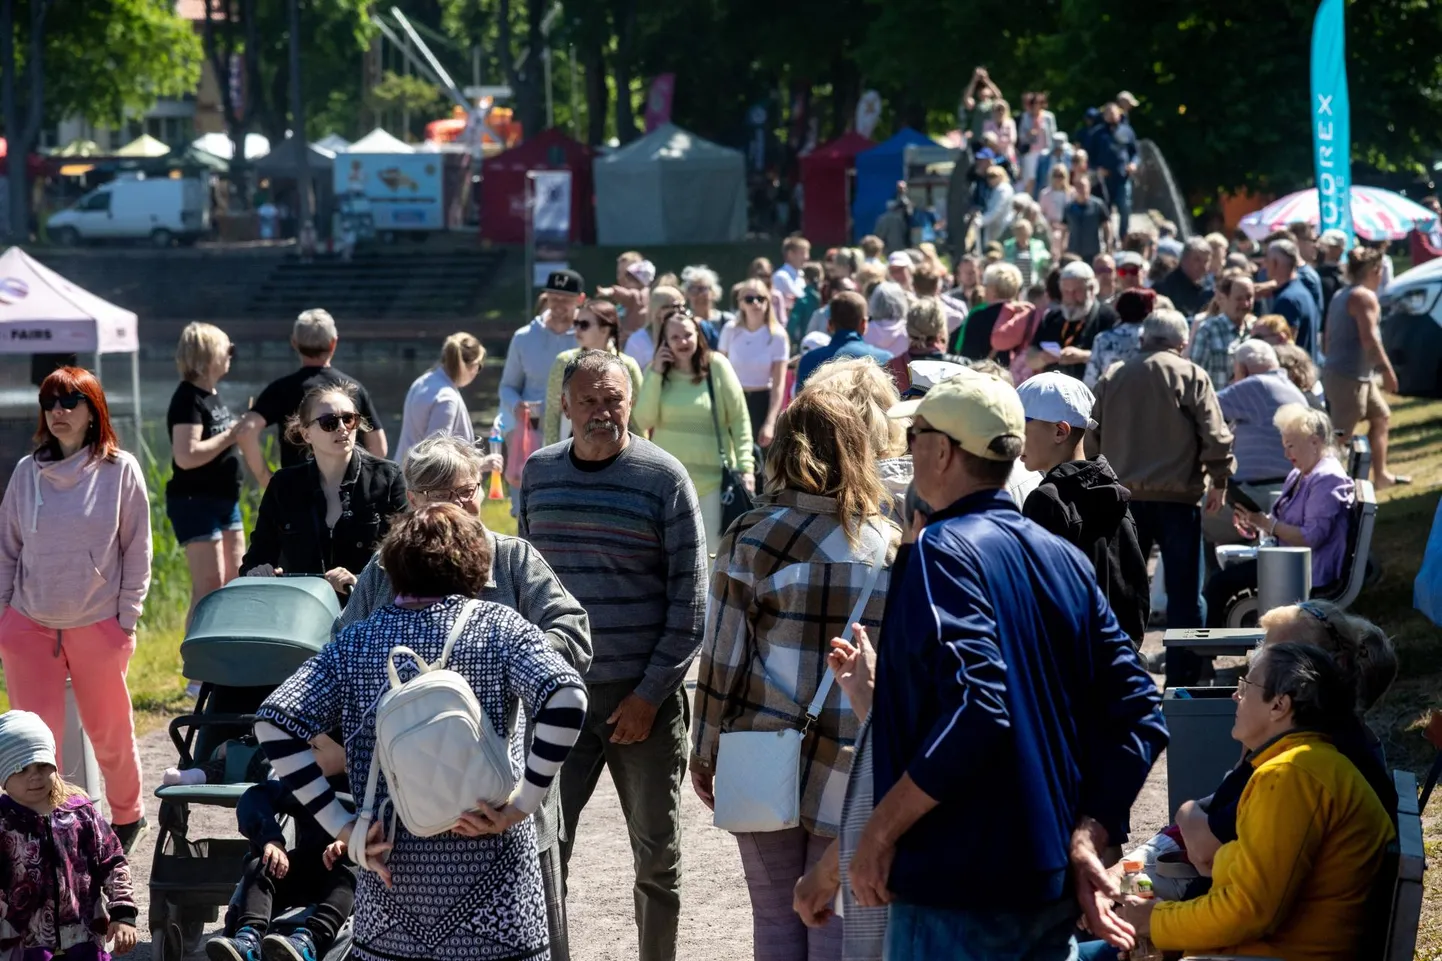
678	415
552	426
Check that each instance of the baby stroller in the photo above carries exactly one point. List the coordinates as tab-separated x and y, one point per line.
244	640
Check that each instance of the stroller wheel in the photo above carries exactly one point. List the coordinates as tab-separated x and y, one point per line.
166	943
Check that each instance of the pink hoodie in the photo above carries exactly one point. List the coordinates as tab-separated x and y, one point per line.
75	541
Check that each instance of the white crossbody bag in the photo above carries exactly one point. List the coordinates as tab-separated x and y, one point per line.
758	773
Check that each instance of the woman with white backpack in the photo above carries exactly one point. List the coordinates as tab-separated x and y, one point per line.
426	691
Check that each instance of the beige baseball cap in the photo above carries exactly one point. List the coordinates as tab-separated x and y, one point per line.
972	408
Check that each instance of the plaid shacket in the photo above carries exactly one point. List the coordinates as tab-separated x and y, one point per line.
1215	347
785	581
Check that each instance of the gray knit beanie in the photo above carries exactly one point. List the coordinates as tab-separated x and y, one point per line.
24	740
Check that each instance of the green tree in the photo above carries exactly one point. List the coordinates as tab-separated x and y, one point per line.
103	60
402	94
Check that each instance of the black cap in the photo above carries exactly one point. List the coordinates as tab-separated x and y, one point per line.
565	282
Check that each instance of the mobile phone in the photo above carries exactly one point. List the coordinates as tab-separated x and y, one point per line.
1051	347
1239	498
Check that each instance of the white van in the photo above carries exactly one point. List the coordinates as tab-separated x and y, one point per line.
160	210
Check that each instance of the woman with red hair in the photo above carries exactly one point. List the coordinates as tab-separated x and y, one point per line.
74	571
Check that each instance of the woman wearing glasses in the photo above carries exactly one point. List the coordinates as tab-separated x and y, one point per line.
74	572
202	499
598	327
757	346
325	516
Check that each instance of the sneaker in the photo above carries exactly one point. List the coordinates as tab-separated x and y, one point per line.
129	834
298	946
245	946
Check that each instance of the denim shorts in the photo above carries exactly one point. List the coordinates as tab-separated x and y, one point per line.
197	519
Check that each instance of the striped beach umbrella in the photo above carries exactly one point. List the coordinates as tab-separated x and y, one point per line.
1377	214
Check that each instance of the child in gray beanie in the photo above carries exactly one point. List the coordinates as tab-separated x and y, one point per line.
68	892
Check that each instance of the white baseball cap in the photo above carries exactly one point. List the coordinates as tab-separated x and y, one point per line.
1057	399
899	259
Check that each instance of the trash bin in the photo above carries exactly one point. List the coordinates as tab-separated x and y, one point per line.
1201	750
77	757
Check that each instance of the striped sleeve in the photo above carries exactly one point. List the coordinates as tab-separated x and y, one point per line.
294	762
557	726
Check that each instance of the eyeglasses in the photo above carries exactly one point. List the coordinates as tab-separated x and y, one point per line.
1244	684
583	325
456	495
753	299
330	423
69	401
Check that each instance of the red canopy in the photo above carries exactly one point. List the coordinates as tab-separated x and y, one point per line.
503	187
826	185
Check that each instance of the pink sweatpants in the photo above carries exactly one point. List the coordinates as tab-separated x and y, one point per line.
36	661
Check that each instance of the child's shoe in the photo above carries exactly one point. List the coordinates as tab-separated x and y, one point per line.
298	946
245	946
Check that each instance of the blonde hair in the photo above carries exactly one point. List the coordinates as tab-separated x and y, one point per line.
62	790
822	447
754	285
868	275
661	298
200	346
1363	650
1304	420
1004	278
926	319
1274	325
997	173
459	352
871	392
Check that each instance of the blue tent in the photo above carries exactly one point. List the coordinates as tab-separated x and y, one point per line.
877	171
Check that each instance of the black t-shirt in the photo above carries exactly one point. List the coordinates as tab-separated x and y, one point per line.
973	339
283	396
1055	328
219	478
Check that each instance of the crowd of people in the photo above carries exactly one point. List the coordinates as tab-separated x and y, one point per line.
935	489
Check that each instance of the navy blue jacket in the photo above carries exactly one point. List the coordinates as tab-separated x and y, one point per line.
844	344
1112	148
1009	693
258	816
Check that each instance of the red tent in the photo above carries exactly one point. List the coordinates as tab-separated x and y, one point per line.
825	184
503	187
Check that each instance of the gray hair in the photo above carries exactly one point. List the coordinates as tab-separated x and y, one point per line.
314	331
926	319
702	276
1004	277
888	302
1311	678
1286	248
1164	330
1257	356
439	461
1199	246
1078	270
596	362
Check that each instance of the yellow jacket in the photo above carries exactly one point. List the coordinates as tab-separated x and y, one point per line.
1310	838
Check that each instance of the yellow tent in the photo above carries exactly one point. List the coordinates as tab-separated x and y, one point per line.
143	146
80	148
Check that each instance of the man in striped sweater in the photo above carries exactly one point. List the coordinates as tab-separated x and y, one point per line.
618	520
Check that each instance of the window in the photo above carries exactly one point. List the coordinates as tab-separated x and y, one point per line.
99	202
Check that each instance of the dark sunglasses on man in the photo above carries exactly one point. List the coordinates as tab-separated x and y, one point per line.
330	423
69	401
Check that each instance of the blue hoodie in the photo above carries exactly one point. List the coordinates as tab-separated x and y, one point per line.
1009	693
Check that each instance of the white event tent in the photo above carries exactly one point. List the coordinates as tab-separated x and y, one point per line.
43	313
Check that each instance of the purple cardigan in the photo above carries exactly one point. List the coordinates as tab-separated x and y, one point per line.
1319	502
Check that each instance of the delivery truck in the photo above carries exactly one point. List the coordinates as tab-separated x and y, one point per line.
156	210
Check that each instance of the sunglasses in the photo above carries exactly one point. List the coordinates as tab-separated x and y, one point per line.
69	401
914	432
330	423
753	299
456	495
230	351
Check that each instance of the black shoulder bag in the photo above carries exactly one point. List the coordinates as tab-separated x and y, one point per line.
735	498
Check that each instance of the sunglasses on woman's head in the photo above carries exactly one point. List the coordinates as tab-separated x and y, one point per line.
69	401
330	423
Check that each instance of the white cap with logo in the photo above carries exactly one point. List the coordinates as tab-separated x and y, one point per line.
1056	398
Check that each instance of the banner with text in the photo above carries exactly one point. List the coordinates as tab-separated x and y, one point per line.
1331	118
550	222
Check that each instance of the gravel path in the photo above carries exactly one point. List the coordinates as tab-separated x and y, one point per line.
715	912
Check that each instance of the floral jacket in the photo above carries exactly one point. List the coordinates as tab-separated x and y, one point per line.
63	876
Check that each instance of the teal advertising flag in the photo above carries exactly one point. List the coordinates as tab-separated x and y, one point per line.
1331	118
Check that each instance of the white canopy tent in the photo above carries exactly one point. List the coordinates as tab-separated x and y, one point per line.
43	313
220	145
333	142
670	187
379	141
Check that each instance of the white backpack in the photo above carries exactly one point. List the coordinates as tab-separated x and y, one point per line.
437	748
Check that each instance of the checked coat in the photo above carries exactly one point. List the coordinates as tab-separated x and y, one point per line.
785	581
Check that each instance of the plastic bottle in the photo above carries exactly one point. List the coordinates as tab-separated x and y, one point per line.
1136	884
497	493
